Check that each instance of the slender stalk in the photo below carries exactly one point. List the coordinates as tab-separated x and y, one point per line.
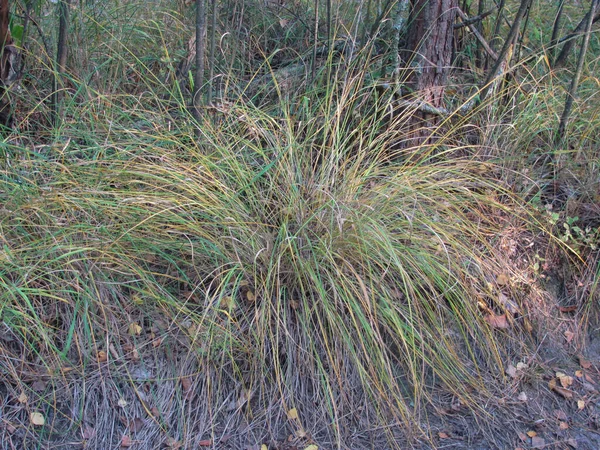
575	81
211	56
556	28
200	45
316	41
487	85
61	58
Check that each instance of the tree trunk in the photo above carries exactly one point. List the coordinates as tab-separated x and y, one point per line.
430	41
7	68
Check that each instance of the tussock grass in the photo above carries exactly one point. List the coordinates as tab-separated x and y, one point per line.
302	256
303	263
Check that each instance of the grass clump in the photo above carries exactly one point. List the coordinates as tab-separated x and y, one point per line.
300	263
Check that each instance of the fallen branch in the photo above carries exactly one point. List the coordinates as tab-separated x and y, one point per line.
477	34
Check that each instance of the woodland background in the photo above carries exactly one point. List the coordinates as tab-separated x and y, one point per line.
322	224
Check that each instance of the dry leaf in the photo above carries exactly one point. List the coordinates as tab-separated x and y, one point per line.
531	434
283	23
580	404
173	443
584	363
522	436
510	306
565	380
300	433
498	322
502	279
101	356
537	442
559	390
88	432
311	447
264	447
10	427
579	373
23	398
511	371
560	415
569	335
443	435
563	425
134	329
37	418
250	296
522	366
186	384
292	414
205	443
522	397
39	385
126	441
566	309
572	443
122	403
136	425
154	411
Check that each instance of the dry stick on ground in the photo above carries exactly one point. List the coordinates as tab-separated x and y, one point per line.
569	40
564	118
199	75
494	72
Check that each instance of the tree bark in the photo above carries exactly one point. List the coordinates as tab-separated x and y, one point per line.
430	40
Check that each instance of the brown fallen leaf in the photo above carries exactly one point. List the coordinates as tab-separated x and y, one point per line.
572	443
39	385
580	404
569	335
511	371
10	428
531	433
584	363
498	322
205	443
136	425
154	411
565	380
563	425
101	356
88	432
443	435
522	397
502	279
560	415
566	393
567	309
522	436
186	383
173	443
134	329
292	414
23	398
537	442
37	419
126	442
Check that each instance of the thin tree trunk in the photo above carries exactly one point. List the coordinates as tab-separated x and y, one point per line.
316	41
200	46
496	69
575	82
556	29
569	40
61	58
211	56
